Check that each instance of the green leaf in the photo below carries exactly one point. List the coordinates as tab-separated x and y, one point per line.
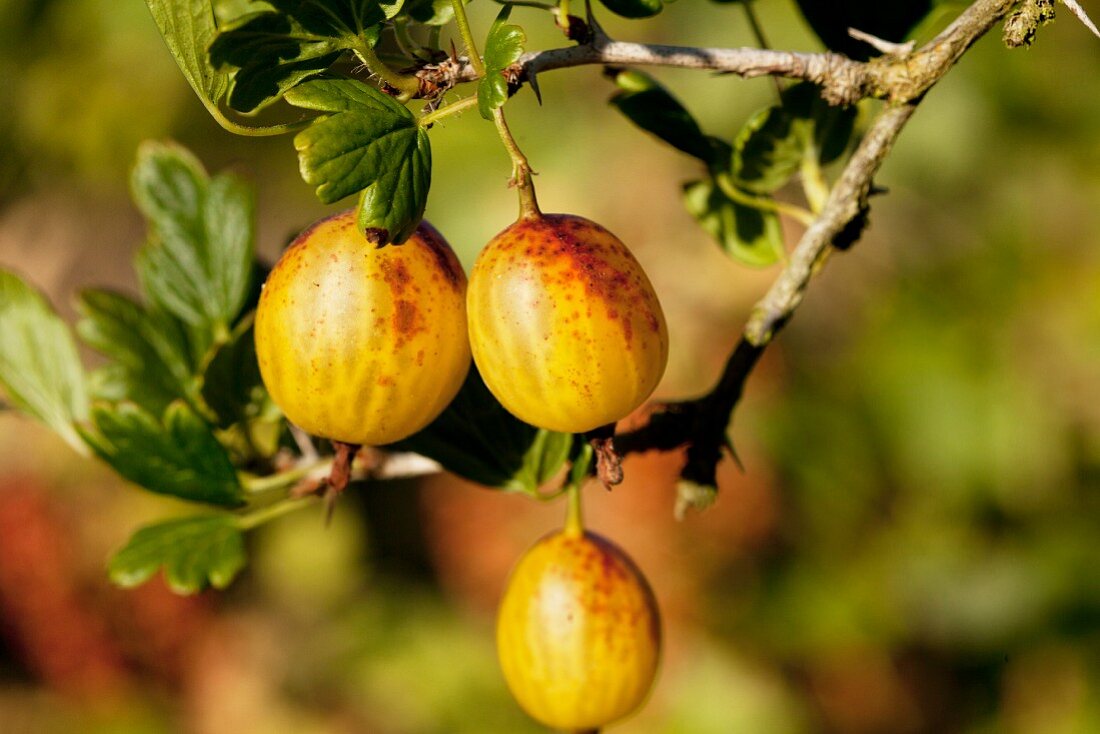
829	127
652	108
177	456
188	27
431	12
476	438
768	150
771	146
198	261
747	234
39	367
194	551
634	8
365	142
274	51
150	362
503	47
231	385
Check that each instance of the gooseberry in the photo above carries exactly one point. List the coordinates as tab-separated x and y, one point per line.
578	632
363	344
565	327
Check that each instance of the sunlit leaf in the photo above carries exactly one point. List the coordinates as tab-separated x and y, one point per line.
198	261
195	552
188	27
503	47
365	142
40	370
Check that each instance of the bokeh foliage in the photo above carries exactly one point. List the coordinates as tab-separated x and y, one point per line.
930	434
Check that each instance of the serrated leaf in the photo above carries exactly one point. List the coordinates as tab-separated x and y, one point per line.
503	47
198	261
177	455
749	235
39	367
150	362
652	108
275	51
188	27
634	8
365	142
476	438
194	551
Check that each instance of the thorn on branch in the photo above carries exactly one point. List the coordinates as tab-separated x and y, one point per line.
1076	9
888	48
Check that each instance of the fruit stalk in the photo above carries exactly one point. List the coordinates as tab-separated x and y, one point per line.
574	512
521	170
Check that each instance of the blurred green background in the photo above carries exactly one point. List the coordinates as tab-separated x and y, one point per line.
914	545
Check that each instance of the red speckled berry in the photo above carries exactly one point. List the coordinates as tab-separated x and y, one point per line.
362	344
578	633
565	327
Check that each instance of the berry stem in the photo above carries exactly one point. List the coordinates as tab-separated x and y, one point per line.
574	513
266	514
521	170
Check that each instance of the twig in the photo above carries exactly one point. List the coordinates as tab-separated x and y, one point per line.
844	206
898	78
701	424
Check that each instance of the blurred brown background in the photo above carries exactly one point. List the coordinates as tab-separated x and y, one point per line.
913	546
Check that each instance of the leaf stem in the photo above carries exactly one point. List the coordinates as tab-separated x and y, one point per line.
287	478
407	86
430	118
762	203
266	514
468	37
814	184
263	131
521	170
